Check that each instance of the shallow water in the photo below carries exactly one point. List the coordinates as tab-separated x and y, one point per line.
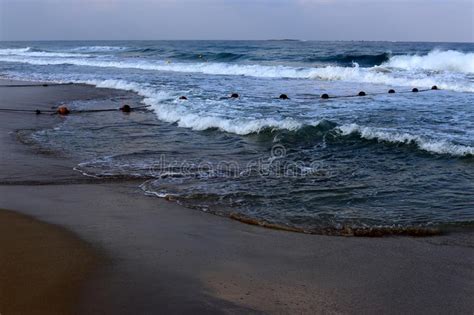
384	160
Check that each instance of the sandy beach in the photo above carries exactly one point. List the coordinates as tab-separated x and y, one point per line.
43	267
164	258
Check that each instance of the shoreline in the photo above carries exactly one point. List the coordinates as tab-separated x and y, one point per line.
345	231
164	257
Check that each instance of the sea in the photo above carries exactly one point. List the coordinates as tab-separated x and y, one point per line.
381	163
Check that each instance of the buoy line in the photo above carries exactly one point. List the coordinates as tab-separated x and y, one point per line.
391	91
64	110
34	85
326	96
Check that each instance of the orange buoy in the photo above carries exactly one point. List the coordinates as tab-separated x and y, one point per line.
63	110
126	108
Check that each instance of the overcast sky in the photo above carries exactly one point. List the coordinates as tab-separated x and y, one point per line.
398	20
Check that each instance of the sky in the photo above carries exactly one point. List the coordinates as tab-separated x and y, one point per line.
391	20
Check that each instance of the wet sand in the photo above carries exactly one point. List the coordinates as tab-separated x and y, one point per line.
42	267
165	258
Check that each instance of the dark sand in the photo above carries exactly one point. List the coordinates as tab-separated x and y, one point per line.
168	259
42	267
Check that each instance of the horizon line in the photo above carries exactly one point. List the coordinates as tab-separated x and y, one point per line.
237	40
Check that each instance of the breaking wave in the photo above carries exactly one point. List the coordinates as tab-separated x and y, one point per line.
172	113
14	51
98	48
385	135
179	115
436	60
347	59
329	73
378	75
354	166
30	52
216	57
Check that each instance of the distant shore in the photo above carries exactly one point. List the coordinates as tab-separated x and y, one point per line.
164	258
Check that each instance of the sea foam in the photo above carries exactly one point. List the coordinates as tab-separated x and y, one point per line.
429	145
98	48
450	60
330	73
14	51
173	113
29	52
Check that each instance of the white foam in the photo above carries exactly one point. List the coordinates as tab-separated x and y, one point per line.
429	145
48	54
174	113
120	85
14	51
240	126
98	48
450	60
207	68
376	75
28	52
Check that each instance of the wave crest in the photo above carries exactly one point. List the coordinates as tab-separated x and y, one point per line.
330	73
14	51
244	126
436	60
98	48
348	59
433	146
31	52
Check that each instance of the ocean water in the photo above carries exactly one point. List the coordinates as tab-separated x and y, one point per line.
386	162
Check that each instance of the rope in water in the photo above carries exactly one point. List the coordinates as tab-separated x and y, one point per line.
123	109
25	110
63	110
391	91
327	96
34	85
